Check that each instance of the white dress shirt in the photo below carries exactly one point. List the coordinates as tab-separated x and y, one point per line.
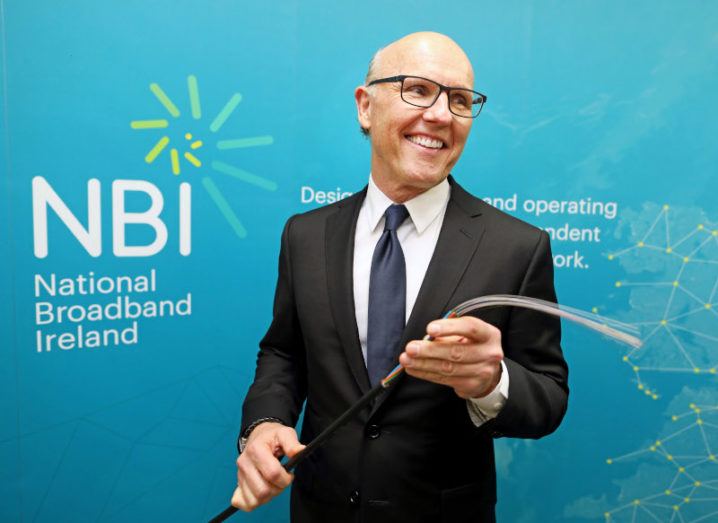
417	236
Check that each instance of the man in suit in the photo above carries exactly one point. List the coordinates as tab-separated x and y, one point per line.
414	242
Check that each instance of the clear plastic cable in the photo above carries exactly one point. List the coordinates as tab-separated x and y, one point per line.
622	332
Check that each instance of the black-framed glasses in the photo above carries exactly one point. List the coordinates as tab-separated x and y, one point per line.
422	92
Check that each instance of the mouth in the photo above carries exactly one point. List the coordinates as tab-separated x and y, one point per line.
426	142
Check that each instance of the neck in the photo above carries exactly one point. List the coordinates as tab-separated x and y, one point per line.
397	193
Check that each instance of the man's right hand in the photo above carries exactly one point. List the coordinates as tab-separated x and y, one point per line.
260	475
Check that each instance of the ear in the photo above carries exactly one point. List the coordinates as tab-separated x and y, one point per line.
363	101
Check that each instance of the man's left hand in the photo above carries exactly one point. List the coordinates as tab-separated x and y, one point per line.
465	355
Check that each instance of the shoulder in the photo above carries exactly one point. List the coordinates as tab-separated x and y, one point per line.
315	220
496	222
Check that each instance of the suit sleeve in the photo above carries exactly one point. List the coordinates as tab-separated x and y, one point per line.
538	374
279	386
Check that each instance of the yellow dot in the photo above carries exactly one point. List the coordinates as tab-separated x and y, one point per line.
609	461
696	370
674	418
188	136
625	358
618	284
686	259
636	501
697	411
714	233
676	507
707	305
594	310
675	283
669	250
691	405
700	226
653	448
668	492
641	244
658	443
697	483
610	256
635	369
681	469
699	421
666	207
669	457
664	322
687	500
654	396
640	386
713	370
607	515
712	457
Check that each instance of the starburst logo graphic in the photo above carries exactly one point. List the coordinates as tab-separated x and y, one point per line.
190	149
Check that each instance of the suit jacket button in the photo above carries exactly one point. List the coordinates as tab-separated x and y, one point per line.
354	498
373	431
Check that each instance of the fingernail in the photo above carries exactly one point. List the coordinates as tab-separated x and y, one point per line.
408	362
434	329
413	348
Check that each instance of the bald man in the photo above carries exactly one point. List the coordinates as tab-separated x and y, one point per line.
424	451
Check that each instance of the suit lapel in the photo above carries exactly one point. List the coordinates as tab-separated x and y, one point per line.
339	269
460	235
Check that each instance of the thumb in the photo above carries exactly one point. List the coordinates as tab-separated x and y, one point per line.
289	442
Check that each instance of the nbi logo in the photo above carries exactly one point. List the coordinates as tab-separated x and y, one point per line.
90	236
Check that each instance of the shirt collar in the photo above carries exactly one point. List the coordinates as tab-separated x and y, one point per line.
423	209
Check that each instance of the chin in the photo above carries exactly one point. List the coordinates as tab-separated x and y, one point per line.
427	178
421	183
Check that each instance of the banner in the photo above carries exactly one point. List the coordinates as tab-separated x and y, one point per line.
153	151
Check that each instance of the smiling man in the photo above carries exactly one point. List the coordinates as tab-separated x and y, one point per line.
360	284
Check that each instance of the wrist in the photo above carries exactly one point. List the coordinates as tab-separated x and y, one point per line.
494	382
244	439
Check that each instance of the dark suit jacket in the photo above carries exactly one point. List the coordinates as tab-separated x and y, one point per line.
414	456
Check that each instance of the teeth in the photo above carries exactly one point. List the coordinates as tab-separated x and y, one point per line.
426	142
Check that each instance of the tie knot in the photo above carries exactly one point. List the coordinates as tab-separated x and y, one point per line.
395	216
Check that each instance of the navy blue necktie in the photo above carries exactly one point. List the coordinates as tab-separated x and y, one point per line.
387	298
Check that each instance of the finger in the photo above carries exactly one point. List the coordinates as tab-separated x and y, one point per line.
274	474
240	500
446	367
237	499
259	457
454	352
440	379
465	387
255	487
466	326
457	352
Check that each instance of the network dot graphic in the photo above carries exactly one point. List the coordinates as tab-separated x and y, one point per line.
677	475
671	286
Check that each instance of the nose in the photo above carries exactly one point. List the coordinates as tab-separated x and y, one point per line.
439	112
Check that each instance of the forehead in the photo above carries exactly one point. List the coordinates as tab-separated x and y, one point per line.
443	62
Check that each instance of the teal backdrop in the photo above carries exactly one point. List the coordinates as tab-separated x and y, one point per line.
152	151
